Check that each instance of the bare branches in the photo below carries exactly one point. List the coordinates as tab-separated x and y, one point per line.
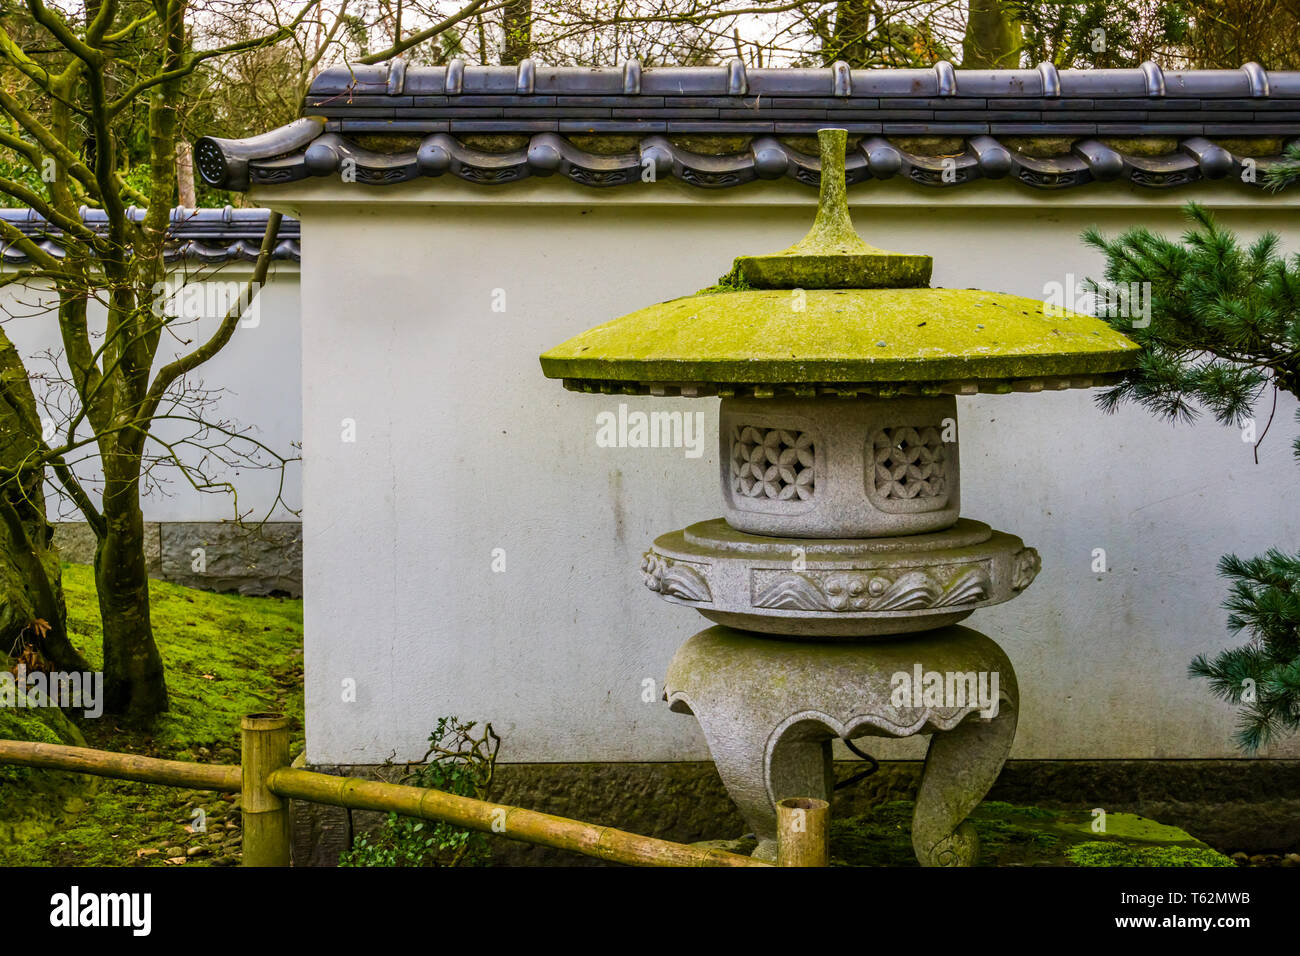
34	200
15	54
191	61
64	33
13	236
175	369
104	18
69	110
129	30
48	141
402	45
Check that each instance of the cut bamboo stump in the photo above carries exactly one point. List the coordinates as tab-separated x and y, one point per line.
265	815
803	831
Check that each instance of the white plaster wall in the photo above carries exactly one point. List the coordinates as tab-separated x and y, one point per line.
461	446
257	373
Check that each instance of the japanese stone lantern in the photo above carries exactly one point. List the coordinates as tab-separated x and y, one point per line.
841	567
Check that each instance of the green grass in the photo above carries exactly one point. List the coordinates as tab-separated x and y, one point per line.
225	656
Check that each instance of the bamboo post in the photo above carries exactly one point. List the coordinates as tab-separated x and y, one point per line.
803	829
265	816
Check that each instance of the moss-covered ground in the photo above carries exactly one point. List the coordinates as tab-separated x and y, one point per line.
1025	836
226	656
1014	836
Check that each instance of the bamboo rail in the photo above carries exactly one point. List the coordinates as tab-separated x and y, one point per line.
266	783
106	763
543	829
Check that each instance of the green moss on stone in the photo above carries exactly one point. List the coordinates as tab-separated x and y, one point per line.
1250	146
495	142
833	255
603	145
931	145
841	336
733	281
834	310
809	145
1142	145
800	267
712	145
387	144
1039	147
1134	827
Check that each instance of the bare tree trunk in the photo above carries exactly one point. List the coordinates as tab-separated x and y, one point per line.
30	585
992	37
134	683
185	174
853	31
517	21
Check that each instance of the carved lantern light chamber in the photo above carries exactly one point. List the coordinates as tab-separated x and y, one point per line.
841	555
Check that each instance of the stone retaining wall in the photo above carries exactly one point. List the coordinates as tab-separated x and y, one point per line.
209	555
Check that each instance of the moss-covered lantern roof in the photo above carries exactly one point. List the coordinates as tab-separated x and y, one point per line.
834	315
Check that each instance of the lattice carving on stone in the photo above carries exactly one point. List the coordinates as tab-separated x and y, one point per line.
910	462
772	463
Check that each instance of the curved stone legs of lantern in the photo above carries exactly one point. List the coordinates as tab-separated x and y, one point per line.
770	709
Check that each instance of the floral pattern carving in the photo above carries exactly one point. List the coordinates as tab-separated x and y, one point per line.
772	463
910	462
868	590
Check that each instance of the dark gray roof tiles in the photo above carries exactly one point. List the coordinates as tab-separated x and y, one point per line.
734	79
985	109
195	235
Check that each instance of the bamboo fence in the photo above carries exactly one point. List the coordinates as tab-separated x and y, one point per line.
266	783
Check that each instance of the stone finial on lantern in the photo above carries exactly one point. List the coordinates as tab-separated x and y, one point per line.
833	255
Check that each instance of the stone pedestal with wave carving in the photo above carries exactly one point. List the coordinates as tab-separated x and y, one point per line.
770	710
852	588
